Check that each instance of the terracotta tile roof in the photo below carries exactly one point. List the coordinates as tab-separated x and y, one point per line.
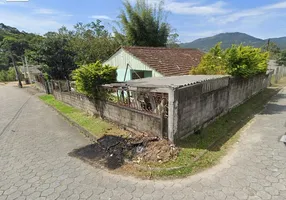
167	61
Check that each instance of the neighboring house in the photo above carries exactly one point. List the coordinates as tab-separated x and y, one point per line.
32	72
143	62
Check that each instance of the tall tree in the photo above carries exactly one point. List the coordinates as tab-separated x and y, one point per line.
56	55
173	41
92	43
143	24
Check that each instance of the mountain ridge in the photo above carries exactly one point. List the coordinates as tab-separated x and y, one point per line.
230	38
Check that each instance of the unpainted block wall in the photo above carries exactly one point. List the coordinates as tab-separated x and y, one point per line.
198	106
242	89
121	115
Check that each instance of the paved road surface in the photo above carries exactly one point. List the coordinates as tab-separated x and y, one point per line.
34	161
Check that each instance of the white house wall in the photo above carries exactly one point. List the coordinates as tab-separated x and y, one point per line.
121	58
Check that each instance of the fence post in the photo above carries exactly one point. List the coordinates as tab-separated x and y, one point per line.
162	120
60	86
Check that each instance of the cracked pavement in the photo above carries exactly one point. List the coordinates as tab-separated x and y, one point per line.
34	161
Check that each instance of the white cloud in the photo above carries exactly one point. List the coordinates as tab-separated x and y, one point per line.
235	16
33	19
194	7
189	8
275	6
29	23
201	34
44	11
101	17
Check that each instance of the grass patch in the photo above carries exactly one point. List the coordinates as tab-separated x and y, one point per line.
202	151
96	126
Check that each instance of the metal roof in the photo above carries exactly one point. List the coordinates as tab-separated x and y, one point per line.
33	69
171	81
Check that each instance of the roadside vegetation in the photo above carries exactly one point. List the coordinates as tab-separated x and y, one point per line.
7	75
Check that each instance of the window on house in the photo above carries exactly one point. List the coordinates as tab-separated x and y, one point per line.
136	74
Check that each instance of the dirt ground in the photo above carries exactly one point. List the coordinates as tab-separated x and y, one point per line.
114	151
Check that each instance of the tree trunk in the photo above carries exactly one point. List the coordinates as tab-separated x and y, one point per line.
17	72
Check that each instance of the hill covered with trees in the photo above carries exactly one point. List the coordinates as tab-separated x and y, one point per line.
228	39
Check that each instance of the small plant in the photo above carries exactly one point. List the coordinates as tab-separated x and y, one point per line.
89	77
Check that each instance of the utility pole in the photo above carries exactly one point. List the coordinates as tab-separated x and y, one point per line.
268	44
27	69
17	72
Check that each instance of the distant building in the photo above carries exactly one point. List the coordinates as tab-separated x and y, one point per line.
32	72
142	62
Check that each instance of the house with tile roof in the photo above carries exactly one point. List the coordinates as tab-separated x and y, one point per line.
143	62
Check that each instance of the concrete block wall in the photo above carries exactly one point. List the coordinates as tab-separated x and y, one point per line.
196	108
242	89
201	103
121	115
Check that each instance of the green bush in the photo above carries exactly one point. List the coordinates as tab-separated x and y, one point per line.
7	75
282	58
89	77
212	62
239	61
246	61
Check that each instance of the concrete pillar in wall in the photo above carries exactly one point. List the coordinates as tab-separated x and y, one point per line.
173	114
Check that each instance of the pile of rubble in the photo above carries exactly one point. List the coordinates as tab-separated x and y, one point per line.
112	151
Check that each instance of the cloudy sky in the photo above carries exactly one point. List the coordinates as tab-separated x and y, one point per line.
191	18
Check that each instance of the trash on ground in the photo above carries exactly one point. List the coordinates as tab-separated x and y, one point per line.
112	151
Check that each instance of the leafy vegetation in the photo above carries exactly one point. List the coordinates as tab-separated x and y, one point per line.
245	61
89	77
92	43
143	25
7	75
13	45
282	58
57	58
96	126
212	63
239	61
